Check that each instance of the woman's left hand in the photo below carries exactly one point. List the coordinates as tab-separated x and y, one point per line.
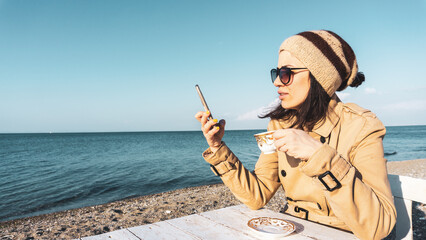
296	143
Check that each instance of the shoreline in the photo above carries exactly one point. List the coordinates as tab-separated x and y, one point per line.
93	220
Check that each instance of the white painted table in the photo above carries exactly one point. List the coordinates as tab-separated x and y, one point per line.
225	223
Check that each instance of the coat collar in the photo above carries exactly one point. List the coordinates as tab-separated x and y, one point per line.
324	127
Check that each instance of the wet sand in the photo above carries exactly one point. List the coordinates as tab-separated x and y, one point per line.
132	212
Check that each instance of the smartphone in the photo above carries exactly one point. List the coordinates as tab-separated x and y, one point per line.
203	101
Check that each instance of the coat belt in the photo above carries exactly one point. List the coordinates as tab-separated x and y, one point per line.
299	212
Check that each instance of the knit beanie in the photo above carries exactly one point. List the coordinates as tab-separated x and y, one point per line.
326	55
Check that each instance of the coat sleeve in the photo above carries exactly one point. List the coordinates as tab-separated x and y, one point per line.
364	200
254	189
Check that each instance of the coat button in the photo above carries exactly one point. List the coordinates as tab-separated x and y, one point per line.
322	139
283	173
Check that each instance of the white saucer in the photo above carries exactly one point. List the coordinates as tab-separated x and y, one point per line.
271	227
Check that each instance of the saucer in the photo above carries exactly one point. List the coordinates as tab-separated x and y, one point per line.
271	227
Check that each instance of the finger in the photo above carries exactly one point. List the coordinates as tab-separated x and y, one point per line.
207	113
199	115
283	133
204	118
279	134
214	130
209	125
210	133
279	143
283	149
221	125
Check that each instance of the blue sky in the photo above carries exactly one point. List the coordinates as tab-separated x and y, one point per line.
89	66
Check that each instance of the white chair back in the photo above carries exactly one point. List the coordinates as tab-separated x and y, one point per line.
406	190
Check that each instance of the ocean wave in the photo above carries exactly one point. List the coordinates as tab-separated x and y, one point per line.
390	153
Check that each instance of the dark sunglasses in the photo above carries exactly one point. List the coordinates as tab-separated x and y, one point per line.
284	73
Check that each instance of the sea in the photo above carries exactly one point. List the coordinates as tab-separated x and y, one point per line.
49	172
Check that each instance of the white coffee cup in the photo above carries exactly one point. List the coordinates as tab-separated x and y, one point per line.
265	141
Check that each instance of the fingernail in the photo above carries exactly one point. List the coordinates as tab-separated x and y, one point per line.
208	112
215	120
217	128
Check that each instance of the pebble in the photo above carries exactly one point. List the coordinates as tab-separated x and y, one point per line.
118	211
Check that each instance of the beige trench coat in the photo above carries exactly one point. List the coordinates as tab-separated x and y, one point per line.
355	194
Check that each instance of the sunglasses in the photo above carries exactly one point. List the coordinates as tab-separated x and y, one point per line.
284	73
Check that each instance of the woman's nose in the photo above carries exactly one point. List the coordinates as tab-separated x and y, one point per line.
277	82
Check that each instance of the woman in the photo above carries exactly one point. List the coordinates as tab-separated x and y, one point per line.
329	156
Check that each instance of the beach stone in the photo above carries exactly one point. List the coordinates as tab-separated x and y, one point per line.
118	211
39	232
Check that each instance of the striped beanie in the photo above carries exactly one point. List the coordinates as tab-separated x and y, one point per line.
327	56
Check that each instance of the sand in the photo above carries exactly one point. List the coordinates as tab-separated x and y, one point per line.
411	168
132	212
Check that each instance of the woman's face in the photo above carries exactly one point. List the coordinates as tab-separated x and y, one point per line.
295	92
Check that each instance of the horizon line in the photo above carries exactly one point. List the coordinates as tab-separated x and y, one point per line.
153	131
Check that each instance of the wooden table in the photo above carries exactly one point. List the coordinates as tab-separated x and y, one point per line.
225	223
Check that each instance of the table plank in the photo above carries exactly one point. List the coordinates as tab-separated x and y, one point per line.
122	234
205	228
160	230
303	227
225	223
238	222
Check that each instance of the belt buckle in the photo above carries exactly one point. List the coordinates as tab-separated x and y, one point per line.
320	177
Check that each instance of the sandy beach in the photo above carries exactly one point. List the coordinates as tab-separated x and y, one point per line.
142	210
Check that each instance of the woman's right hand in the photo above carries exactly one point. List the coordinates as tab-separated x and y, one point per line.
212	133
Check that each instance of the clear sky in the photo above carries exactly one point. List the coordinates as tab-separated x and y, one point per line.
89	66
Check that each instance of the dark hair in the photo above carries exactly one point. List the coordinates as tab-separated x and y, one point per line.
313	109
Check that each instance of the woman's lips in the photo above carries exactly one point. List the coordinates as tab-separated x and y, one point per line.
282	95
